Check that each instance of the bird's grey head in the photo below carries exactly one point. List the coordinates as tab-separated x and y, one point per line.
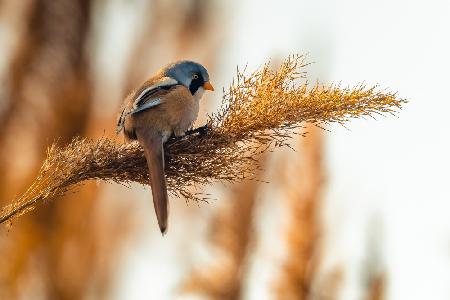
190	74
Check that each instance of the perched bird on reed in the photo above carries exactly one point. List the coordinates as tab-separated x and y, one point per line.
166	104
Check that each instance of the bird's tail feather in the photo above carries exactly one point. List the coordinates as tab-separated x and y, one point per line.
154	153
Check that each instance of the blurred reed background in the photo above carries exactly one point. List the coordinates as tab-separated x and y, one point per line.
64	68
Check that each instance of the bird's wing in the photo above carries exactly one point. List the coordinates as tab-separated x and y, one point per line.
146	95
149	96
148	103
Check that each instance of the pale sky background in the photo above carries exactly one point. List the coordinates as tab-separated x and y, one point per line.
387	178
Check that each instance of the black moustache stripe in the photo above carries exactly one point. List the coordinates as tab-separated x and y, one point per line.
196	84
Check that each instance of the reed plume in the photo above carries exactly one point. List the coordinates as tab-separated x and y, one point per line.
259	111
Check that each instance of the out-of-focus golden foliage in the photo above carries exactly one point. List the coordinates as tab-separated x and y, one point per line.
259	111
48	73
47	95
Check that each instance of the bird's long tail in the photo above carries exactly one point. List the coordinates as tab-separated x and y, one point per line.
154	153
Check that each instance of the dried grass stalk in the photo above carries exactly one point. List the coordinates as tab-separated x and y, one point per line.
303	195
259	111
232	235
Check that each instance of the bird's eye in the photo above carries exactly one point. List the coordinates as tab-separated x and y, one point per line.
195	76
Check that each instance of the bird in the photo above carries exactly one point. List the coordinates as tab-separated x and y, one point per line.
165	105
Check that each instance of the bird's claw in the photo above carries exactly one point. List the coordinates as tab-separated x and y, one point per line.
174	138
202	130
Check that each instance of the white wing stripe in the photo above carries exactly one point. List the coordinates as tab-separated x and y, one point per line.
147	105
166	82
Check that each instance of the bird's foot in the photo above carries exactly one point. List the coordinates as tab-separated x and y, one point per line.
202	130
174	138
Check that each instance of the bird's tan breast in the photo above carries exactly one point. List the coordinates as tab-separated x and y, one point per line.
182	110
175	115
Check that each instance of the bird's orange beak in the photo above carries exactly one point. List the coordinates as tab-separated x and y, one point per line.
208	86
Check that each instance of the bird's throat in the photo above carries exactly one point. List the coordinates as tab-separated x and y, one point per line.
199	93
